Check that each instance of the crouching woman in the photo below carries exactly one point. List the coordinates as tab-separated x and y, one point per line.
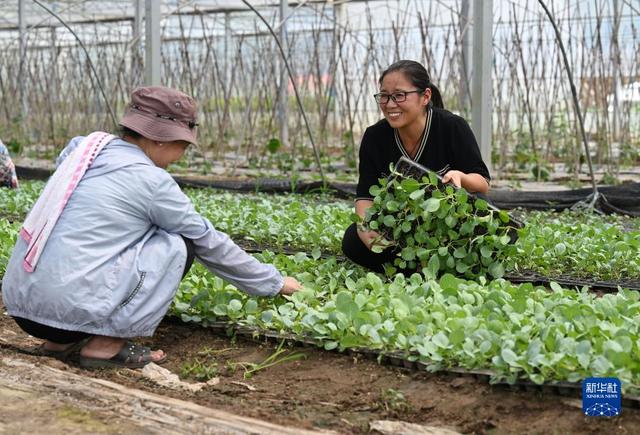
102	252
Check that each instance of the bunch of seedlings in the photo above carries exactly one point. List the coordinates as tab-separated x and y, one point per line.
437	228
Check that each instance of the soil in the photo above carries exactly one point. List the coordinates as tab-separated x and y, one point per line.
325	390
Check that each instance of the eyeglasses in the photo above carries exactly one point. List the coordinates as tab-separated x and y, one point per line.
191	124
397	97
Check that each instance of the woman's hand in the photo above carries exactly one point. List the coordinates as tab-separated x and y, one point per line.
474	183
454	177
290	286
368	237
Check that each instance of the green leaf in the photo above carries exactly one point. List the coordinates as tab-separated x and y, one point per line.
449	282
481	204
267	316
441	340
462	196
496	269
417	194
374	281
330	345
432	205
537	378
220	310
510	357
451	221
273	145
460	252
393	206
251	306
408	254
555	286
410	185
560	248
346	304
389	221
434	265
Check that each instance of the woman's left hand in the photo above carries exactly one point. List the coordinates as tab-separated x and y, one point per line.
454	177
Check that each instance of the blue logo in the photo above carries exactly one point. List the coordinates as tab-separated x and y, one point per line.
601	397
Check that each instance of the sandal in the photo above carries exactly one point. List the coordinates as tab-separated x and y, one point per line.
61	355
132	356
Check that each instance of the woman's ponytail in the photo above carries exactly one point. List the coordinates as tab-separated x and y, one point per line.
436	97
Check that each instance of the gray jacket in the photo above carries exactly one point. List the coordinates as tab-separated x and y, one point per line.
114	260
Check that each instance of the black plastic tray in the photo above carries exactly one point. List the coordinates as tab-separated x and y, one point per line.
411	169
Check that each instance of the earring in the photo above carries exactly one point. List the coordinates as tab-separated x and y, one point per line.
160	144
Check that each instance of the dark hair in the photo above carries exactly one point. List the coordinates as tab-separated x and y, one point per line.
125	131
418	76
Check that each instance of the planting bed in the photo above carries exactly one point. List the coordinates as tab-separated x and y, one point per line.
507	333
324	390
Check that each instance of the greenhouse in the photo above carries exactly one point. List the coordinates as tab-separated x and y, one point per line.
320	216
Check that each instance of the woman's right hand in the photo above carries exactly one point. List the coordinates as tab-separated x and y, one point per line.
290	286
368	237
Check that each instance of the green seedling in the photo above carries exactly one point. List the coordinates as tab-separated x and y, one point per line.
278	357
437	229
199	370
394	400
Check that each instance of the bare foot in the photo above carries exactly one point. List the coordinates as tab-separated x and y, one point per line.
102	347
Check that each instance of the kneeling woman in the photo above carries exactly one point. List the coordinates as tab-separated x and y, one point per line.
416	126
102	252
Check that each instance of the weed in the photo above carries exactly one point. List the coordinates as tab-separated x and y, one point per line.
394	400
199	370
278	357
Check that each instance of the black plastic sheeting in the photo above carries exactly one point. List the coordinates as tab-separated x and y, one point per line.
623	199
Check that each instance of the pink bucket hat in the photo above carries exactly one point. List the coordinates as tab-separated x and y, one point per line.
161	114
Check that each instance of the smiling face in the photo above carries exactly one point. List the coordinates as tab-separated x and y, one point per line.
409	112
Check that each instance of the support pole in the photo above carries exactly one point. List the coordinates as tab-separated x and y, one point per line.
283	92
465	57
22	25
482	63
615	74
136	46
337	86
228	38
152	47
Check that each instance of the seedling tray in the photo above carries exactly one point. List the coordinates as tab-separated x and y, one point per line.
411	169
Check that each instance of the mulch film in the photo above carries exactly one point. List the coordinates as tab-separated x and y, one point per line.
622	199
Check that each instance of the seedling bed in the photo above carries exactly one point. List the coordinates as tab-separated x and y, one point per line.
516	278
396	359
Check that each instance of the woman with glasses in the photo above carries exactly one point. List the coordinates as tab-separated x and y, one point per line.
415	126
102	252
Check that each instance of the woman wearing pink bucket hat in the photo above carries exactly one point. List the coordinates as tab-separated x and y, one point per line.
102	252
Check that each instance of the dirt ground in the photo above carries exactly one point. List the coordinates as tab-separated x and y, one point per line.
325	391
